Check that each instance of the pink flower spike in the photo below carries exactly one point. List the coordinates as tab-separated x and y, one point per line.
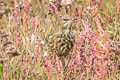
26	8
24	68
59	64
7	77
81	76
33	23
100	2
55	8
31	10
48	64
70	63
2	27
119	4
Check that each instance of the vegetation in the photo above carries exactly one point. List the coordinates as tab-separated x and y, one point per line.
96	53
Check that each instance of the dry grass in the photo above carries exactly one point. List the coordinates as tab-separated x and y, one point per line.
96	53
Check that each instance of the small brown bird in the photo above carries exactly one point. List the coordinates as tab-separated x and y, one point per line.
61	42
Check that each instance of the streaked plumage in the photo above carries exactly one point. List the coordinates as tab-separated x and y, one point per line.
61	42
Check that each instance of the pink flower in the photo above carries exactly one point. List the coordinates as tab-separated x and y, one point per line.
26	8
2	27
59	64
24	68
18	39
16	11
119	4
30	59
100	2
81	76
7	76
25	18
70	64
79	11
31	10
33	23
48	64
55	8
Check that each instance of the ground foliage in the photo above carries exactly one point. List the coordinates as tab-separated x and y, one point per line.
96	53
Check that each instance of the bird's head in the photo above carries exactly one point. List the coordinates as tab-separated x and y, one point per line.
66	22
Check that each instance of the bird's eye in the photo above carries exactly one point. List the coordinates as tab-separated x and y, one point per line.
65	19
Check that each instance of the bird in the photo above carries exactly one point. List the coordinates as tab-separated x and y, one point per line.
62	41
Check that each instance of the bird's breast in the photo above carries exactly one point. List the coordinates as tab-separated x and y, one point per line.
61	44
